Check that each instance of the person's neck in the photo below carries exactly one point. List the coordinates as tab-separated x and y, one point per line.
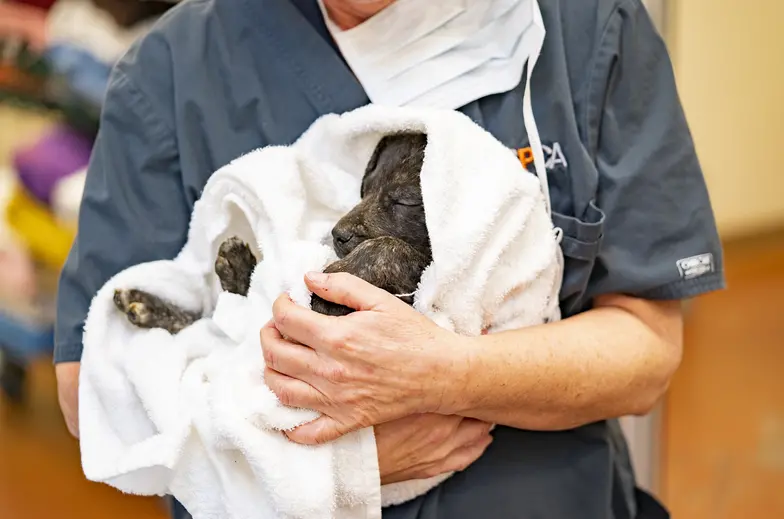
347	14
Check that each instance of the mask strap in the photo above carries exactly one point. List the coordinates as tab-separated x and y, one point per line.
528	115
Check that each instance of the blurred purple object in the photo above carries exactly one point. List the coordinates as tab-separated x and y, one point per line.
57	154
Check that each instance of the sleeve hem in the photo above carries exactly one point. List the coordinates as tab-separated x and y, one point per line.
70	352
687	288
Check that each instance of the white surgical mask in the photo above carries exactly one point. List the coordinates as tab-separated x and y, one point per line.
446	54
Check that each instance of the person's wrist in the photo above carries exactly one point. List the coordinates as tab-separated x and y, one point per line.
456	368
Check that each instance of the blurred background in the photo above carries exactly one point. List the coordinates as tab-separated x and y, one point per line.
713	449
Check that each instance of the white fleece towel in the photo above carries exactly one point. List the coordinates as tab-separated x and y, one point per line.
190	415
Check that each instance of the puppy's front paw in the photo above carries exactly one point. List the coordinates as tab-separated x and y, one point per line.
324	307
234	266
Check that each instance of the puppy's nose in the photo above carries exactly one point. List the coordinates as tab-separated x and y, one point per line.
341	235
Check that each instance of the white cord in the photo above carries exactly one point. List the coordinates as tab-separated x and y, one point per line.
530	122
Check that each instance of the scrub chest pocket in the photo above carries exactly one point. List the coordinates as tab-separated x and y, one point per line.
582	239
582	235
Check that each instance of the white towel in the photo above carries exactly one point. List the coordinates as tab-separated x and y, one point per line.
189	414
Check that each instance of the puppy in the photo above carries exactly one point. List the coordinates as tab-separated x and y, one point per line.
383	240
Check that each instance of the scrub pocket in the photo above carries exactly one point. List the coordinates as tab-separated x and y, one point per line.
582	239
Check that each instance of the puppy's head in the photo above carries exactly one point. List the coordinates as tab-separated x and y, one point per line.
391	197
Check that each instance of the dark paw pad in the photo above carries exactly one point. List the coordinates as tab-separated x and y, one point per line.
234	266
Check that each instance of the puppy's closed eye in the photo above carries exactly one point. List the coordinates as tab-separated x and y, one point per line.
408	202
408	197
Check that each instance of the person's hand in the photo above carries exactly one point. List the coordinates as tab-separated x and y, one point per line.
384	362
428	445
68	394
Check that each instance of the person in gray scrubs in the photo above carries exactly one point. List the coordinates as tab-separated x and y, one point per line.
218	78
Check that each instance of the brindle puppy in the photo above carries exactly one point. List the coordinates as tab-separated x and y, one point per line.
383	240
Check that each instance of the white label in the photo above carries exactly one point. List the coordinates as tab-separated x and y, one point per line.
695	266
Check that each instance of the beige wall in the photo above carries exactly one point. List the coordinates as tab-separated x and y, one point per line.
729	60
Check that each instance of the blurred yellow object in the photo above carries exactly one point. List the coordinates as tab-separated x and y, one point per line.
47	240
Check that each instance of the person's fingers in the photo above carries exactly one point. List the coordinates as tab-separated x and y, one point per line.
347	290
460	459
294	393
288	358
470	431
67	374
320	430
457	460
301	324
444	442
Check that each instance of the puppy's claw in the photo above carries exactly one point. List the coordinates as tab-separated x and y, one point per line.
120	299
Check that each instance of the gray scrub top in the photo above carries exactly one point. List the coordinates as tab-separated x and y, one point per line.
218	78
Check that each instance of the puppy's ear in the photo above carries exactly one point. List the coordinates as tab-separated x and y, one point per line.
372	164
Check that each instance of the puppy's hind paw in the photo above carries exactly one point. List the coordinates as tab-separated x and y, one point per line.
139	314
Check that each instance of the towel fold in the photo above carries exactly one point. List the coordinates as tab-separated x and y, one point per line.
190	415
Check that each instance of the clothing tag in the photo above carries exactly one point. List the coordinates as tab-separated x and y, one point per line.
695	266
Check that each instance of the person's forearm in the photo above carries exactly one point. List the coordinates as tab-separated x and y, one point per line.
68	394
614	360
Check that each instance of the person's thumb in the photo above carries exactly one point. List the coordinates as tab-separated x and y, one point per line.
347	290
321	430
